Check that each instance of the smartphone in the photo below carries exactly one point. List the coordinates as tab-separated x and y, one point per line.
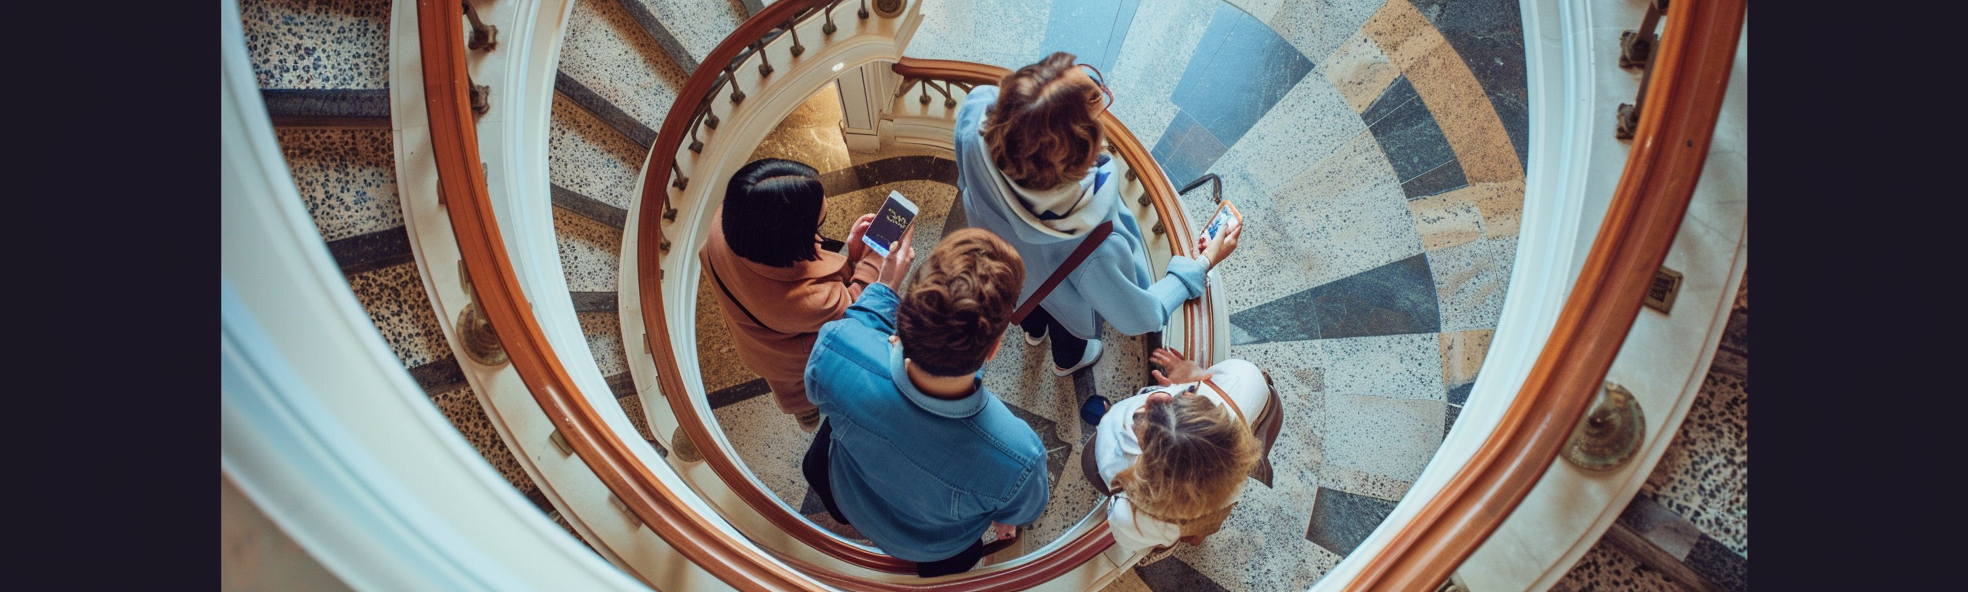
1226	219
893	217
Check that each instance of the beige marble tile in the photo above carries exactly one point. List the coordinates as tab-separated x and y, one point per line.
1128	582
1466	116
1445	222
1360	71
1402	33
1462	354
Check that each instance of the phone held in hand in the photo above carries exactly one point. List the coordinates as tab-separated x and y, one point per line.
1226	219
893	217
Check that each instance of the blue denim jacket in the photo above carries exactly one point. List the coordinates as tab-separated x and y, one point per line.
921	477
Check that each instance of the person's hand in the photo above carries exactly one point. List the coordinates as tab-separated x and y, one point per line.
1219	248
1004	531
1179	370
856	248
896	264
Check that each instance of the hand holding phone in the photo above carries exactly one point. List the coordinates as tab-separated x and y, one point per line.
895	215
1219	237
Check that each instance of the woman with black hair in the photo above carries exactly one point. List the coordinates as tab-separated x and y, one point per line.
775	284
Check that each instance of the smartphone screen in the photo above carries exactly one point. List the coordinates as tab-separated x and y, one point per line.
1226	219
893	217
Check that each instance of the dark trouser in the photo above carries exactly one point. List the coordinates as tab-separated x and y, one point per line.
815	466
1066	348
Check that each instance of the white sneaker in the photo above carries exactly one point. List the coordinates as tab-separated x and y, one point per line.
1086	359
1030	340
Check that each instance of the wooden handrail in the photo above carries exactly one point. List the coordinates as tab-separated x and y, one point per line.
454	146
1682	104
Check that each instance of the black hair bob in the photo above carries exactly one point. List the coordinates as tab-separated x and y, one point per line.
772	210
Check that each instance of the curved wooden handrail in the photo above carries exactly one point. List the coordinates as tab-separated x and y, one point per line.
1690	73
454	146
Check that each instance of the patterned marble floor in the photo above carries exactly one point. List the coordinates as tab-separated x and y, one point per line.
1377	150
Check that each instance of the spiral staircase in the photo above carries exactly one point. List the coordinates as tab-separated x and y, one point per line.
541	409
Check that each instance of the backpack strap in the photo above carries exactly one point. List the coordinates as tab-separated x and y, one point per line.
1087	245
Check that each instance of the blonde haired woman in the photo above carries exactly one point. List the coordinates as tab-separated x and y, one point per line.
1174	457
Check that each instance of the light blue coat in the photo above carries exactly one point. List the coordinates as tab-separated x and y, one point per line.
1113	284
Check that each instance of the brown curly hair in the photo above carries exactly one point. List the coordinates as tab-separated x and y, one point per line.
1042	131
959	301
1194	454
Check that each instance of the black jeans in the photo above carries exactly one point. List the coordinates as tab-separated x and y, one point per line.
1066	348
815	466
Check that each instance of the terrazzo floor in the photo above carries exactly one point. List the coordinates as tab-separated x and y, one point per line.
1373	149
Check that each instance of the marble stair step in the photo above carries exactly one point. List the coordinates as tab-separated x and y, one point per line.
697	25
331	45
616	69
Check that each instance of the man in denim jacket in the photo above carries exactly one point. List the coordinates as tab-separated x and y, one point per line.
914	452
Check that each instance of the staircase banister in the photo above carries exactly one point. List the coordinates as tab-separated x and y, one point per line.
1683	100
455	150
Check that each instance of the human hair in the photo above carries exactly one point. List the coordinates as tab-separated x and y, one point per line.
1194	454
771	211
1042	131
958	302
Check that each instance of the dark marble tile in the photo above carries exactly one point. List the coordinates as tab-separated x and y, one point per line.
442	374
594	301
1444	178
327	107
1048	430
1720	565
588	207
1659	525
1172	575
1408	134
1460	395
1489	36
372	251
1186	149
739	393
1090	29
889	170
1516	115
1240	69
622	384
1393	299
603	110
1735	335
653	26
1341	520
1397	95
956	219
1449	417
539	500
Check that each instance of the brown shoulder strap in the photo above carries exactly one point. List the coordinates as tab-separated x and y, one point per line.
1226	399
734	297
1087	245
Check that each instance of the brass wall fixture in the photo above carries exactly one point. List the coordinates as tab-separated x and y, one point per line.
1661	293
474	330
1609	433
686	450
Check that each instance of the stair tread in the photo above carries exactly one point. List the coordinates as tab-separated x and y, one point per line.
334	44
607	52
590	254
587	156
346	177
698	24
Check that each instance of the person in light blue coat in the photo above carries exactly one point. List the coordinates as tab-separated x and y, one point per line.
1030	169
